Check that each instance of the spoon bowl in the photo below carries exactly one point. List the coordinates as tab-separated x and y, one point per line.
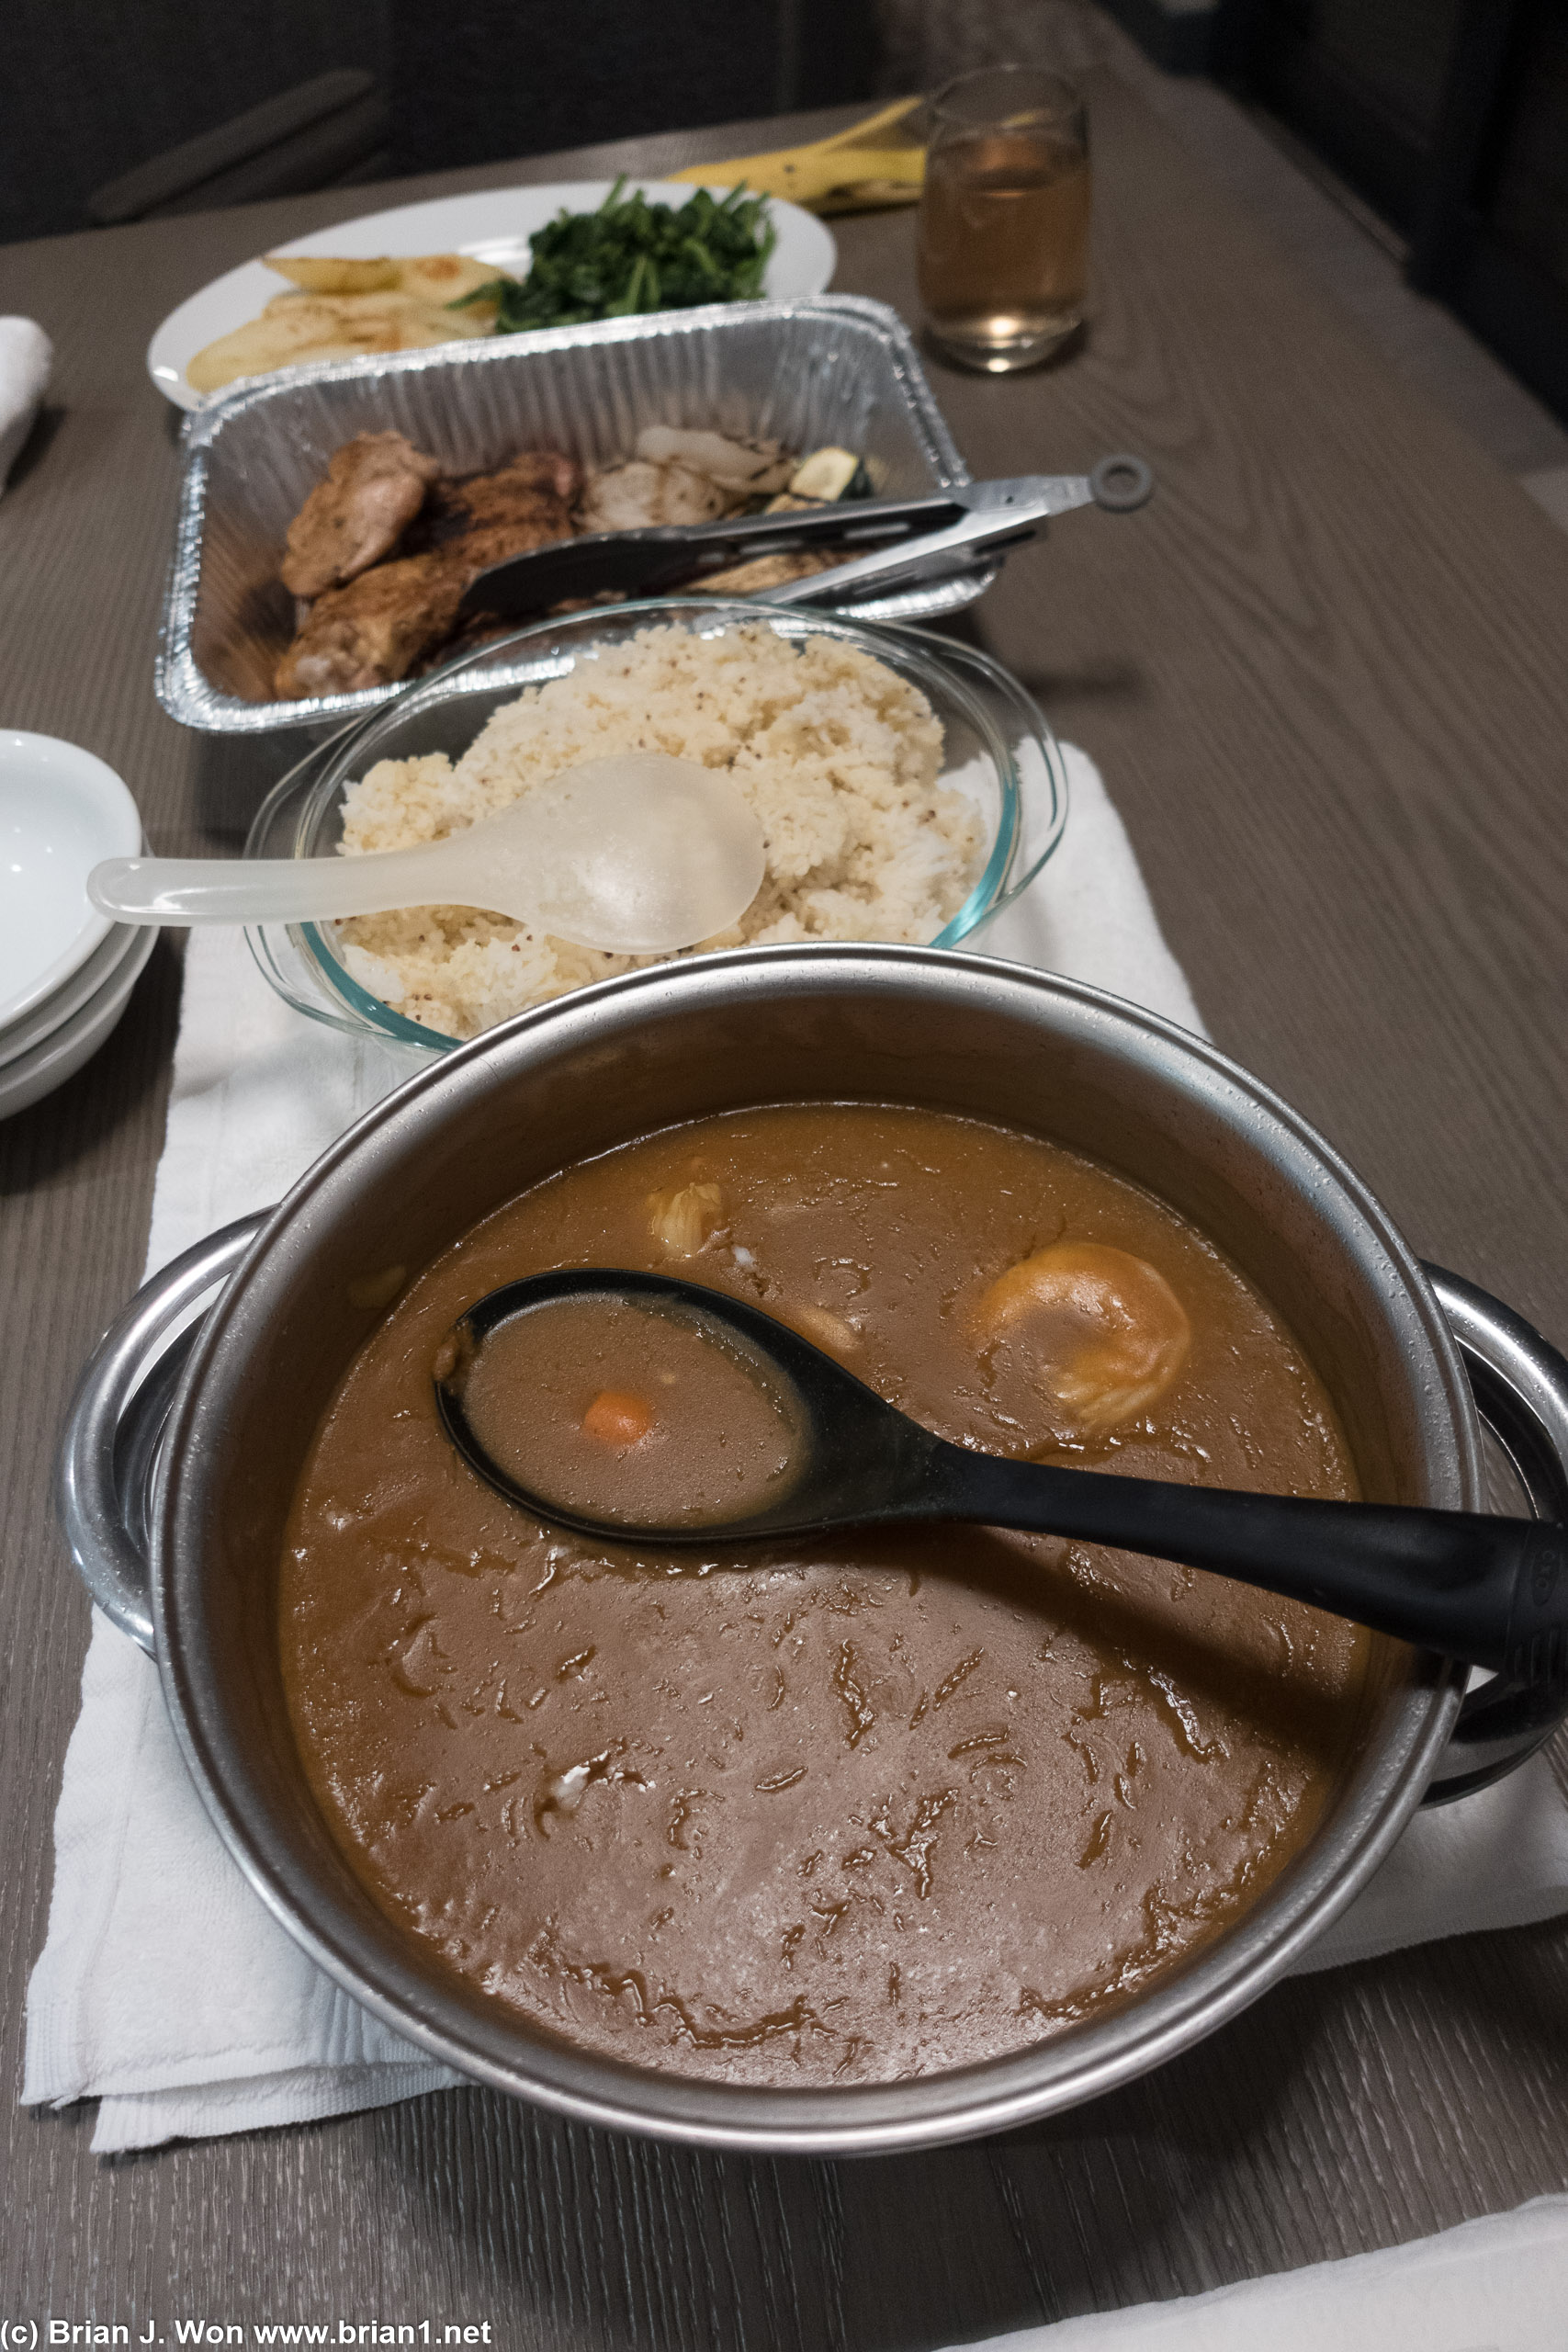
1489	1591
637	853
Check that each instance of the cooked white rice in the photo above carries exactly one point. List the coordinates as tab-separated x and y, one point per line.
837	754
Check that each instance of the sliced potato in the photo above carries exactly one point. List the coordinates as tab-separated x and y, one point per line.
345	311
339	308
299	327
433	277
318	274
444	277
271	341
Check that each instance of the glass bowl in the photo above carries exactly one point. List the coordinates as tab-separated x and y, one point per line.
996	748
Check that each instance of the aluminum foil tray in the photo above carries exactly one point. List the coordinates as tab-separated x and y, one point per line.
828	368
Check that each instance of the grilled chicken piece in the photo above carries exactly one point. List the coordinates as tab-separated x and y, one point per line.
375	486
374	629
490	516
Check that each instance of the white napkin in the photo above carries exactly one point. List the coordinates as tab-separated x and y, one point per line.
164	1989
26	357
1497	2285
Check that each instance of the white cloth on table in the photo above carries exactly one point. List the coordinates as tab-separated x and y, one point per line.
26	357
1495	2285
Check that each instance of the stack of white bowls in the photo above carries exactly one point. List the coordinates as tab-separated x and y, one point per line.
66	971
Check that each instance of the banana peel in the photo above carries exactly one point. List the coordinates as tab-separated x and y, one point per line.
843	173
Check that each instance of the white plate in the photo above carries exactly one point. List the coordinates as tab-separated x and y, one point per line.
22	1035
33	1075
61	811
494	226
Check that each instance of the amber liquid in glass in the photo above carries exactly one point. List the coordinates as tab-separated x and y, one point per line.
1004	245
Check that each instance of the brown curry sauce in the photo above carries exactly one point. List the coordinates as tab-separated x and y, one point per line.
899	1802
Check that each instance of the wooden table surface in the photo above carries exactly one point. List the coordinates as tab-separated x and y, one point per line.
1323	673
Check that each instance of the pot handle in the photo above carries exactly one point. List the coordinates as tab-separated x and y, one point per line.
109	1449
1520	1385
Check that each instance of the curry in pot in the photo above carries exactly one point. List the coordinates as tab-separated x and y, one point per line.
841	1813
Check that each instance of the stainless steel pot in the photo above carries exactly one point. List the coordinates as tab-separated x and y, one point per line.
186	1439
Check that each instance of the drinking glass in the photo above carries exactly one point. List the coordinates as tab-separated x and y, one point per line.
1003	234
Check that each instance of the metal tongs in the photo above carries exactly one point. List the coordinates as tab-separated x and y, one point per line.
906	541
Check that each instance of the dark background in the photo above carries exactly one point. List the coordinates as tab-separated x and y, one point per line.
91	89
1450	119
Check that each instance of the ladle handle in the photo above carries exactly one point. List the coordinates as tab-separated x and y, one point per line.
272	890
1488	1589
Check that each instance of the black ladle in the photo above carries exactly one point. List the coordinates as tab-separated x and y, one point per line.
1489	1591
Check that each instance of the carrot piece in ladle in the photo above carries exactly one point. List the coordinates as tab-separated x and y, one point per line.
618	1418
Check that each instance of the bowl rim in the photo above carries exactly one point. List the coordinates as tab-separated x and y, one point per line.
30	1030
114	804
354	1008
478	2041
61	1053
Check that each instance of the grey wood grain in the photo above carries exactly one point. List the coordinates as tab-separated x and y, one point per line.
1323	673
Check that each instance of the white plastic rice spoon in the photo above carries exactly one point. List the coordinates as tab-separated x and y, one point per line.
637	853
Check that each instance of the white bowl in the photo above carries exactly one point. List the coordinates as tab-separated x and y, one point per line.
31	1029
61	1055
61	811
